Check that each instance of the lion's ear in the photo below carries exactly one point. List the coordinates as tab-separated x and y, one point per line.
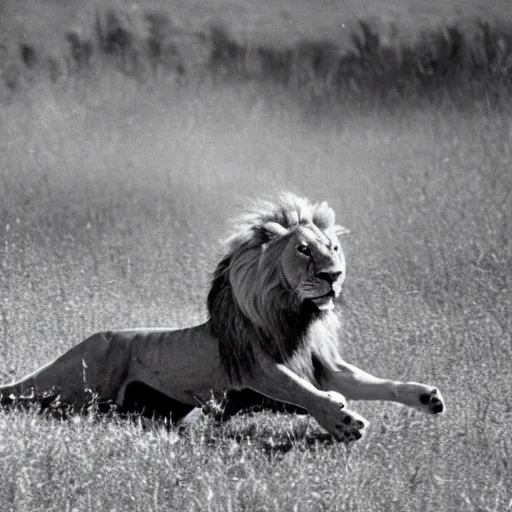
340	230
269	231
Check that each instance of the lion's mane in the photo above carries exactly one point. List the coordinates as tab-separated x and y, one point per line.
252	311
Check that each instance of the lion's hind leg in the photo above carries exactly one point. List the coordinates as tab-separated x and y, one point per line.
91	369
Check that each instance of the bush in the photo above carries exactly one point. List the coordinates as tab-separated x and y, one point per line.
378	61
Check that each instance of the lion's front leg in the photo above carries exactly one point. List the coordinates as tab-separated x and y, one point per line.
356	384
329	408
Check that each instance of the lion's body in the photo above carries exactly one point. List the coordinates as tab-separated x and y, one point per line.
109	363
272	329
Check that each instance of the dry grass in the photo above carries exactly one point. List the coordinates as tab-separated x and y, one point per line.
113	197
319	51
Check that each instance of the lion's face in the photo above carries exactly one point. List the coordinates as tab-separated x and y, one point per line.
282	255
313	265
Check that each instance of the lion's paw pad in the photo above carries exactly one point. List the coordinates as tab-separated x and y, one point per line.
433	402
352	427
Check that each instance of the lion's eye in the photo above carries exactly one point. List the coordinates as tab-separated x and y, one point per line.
336	248
304	249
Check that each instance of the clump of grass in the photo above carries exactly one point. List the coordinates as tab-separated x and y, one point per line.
464	57
377	59
114	33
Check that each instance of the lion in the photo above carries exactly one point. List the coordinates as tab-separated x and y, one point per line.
272	330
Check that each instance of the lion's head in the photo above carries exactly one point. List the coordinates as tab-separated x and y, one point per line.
276	284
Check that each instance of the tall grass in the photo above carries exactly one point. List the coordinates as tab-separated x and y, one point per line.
113	197
381	59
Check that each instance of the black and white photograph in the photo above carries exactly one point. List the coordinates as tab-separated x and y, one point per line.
255	256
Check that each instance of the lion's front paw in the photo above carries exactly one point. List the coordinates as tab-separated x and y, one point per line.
432	402
352	427
343	424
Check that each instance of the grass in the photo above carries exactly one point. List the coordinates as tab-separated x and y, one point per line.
328	50
114	194
284	22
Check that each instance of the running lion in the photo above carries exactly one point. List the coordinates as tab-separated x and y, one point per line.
272	329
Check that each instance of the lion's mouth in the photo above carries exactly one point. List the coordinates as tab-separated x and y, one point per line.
324	302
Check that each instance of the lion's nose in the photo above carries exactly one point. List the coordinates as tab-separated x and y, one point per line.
330	277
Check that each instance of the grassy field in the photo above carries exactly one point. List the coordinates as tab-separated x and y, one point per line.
114	195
